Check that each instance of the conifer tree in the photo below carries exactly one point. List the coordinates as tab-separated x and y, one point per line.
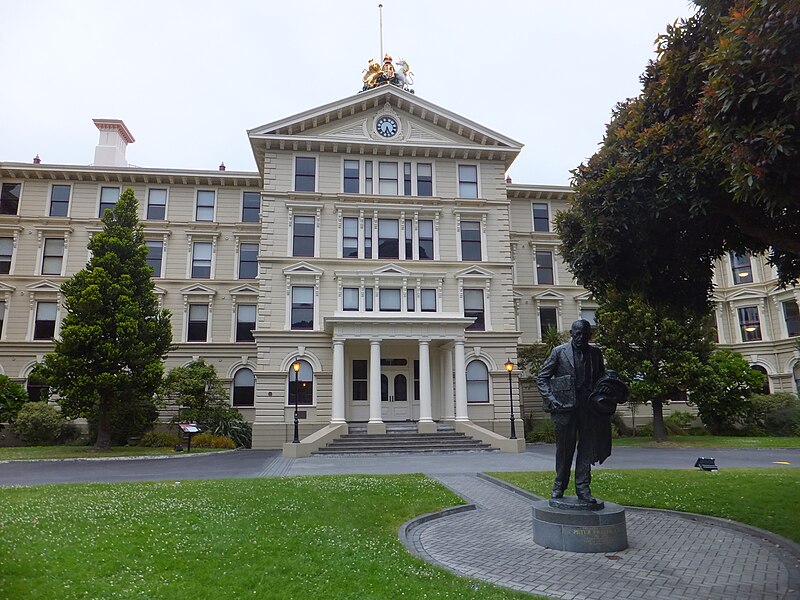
114	337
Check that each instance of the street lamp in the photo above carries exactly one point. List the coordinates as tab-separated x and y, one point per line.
296	367
510	367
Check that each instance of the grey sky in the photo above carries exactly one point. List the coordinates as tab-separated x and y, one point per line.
190	77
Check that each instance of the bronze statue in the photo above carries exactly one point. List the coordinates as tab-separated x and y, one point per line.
580	397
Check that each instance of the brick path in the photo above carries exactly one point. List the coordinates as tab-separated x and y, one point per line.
670	557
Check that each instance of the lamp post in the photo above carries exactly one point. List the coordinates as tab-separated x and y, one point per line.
510	367
296	368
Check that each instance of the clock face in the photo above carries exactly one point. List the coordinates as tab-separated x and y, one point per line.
386	127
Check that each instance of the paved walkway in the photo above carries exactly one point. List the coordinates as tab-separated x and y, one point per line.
670	557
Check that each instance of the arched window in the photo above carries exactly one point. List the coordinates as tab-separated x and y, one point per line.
760	369
36	388
244	388
477	382
303	388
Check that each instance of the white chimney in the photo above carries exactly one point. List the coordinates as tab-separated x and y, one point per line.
114	139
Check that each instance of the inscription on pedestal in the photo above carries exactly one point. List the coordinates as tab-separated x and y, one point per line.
580	530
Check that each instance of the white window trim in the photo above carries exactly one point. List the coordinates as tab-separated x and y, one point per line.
44	233
489	374
546	304
236	368
100	195
553	254
216	204
474	283
50	199
34	298
240	239
778	302
201	237
13	233
477	166
199	296
6	294
313	155
155	235
241	207
760	304
166	205
300	280
471	215
21	194
296	209
549	216
247	300
290	377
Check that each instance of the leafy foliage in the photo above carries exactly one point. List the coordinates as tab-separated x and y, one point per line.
774	414
210	440
722	392
706	160
532	357
659	354
159	439
197	389
114	337
38	423
12	397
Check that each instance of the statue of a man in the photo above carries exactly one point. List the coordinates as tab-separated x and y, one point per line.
579	408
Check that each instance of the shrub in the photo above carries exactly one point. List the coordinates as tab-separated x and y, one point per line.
541	431
210	440
129	419
12	397
678	423
38	423
645	430
159	439
619	426
70	434
775	414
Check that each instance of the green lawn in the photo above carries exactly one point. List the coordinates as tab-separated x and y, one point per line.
766	498
711	441
38	452
289	538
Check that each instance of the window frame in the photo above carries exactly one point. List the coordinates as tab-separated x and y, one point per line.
295	174
480	323
37	323
18	199
190	322
197	205
795	318
240	336
68	201
750	336
471	243
347	305
535	219
350	179
738	265
100	204
245	208
160	273
193	259
555	321
488	381
150	204
250	399
461	182
241	261
311	391
12	245
61	257
544	269
296	237
296	306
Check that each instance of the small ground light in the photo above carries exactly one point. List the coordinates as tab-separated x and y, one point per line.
707	464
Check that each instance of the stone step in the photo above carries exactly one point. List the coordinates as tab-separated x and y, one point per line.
403	449
403	436
403	441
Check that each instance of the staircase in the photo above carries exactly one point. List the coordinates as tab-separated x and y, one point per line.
402	438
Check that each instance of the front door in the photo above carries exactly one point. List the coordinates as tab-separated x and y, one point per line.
394	395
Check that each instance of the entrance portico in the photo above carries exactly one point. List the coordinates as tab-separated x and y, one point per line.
401	379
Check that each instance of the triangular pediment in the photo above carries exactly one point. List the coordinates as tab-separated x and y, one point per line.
5	288
244	290
198	288
354	120
474	271
302	268
747	295
159	291
584	297
392	269
549	295
44	286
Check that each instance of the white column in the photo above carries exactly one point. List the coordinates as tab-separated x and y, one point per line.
461	382
337	410
425	411
375	381
447	384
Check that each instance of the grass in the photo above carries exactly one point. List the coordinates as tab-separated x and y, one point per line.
40	452
711	441
282	538
765	498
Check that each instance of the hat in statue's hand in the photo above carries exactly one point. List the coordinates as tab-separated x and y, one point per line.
609	391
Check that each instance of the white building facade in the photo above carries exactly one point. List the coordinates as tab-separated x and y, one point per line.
379	245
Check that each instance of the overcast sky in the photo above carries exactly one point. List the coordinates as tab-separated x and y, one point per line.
190	77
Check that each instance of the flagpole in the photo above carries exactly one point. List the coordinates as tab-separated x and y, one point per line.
380	13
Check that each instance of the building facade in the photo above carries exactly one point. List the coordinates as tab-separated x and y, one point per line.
379	245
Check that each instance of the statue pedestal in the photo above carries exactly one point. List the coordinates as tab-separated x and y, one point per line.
567	524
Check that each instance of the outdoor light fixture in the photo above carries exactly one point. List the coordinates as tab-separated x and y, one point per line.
743	273
707	464
510	367
296	367
749	328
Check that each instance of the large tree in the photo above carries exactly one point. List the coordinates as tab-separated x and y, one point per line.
114	337
660	354
706	160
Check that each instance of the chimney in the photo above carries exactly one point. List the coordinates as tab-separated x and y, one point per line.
222	166
37	160
114	139
508	179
